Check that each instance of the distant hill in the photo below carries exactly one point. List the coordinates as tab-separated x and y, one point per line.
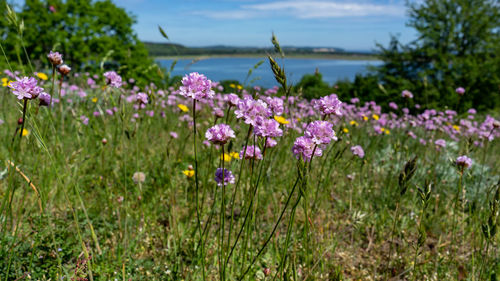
172	49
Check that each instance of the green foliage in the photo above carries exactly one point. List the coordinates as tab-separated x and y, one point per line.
457	45
313	86
84	31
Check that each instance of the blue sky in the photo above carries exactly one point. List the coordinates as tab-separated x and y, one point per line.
349	24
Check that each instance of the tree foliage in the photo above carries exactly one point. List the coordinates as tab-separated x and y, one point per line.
88	33
457	45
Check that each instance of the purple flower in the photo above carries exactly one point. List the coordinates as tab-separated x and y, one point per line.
25	88
113	79
84	119
406	94
142	98
275	104
358	151
303	147
217	112
196	86
464	161
320	132
44	99
232	99
219	134
393	105
329	105
55	58
271	142
268	128
250	110
460	91
440	143
223	178
174	135
251	152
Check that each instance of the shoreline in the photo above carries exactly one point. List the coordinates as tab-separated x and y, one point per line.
264	56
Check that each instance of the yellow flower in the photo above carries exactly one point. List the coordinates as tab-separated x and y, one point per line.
365	118
345	130
42	75
232	85
382	130
298	119
239	87
5	82
375	116
353	123
281	119
94	100
183	107
188	173
387	132
235	155
25	132
457	128
227	157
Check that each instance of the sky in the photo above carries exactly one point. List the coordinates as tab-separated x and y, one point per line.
348	24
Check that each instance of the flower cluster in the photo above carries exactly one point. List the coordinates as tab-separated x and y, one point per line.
464	161
25	88
252	110
223	177
251	152
268	128
304	148
357	150
320	132
196	86
329	105
55	58
113	79
219	134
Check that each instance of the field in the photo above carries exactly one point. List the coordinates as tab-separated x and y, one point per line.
113	182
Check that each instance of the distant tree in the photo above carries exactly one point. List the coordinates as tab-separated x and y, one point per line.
86	32
457	45
312	86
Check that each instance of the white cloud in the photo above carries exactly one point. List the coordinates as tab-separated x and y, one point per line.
304	9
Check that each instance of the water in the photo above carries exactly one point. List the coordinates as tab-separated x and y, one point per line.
218	69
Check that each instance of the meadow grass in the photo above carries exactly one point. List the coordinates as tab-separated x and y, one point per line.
75	204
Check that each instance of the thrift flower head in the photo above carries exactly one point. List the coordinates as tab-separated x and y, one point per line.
219	134
358	151
142	98
139	177
329	105
84	119
250	110
232	99
25	88
460	91
440	143
268	128
320	132
303	147
55	58
196	86
275	104
113	79
251	152
64	70
44	99
464	161
407	94
223	178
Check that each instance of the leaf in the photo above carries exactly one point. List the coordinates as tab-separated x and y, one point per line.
163	33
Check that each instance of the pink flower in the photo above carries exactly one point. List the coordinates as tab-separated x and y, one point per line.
219	134
196	86
358	151
250	110
251	152
460	91
304	147
113	79
329	105
320	132
407	94
55	58
268	128
25	88
464	161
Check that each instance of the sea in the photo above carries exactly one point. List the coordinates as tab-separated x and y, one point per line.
257	71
